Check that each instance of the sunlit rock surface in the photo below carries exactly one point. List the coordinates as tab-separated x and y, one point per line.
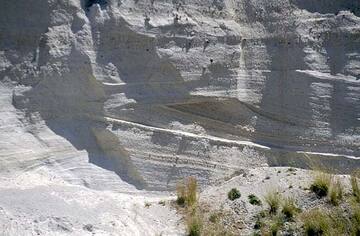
114	96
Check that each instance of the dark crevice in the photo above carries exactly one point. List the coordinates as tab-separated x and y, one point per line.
88	3
329	6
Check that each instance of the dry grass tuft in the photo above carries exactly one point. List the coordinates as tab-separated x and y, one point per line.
273	200
321	184
289	208
316	222
336	192
187	192
355	186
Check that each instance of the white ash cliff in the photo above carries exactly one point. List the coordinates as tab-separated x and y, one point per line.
120	95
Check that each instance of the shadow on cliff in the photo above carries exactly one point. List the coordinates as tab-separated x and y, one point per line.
68	103
328	6
284	107
22	24
148	81
103	147
343	100
148	78
295	103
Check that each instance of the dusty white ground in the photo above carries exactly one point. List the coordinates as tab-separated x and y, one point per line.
32	204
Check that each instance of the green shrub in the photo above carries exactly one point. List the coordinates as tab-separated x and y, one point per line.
191	191
215	226
194	225
273	200
341	223
254	200
180	201
187	197
187	192
234	194
274	228
334	222
355	187
181	193
213	218
320	185
258	223
316	222
336	192
291	169
355	220
262	214
289	208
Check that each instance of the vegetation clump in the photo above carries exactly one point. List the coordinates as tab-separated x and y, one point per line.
254	200
196	216
355	187
289	208
336	192
234	194
194	224
275	227
316	222
213	218
291	169
187	197
321	184
282	216
355	221
180	201
273	199
187	192
258	223
333	221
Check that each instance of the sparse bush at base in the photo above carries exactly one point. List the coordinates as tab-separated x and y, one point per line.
321	184
234	194
258	223
191	191
289	208
254	200
180	192
272	227
214	217
326	222
316	222
273	200
180	201
194	224
355	188
187	197
355	221
336	192
187	192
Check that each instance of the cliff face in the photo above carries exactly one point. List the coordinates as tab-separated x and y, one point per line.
155	90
